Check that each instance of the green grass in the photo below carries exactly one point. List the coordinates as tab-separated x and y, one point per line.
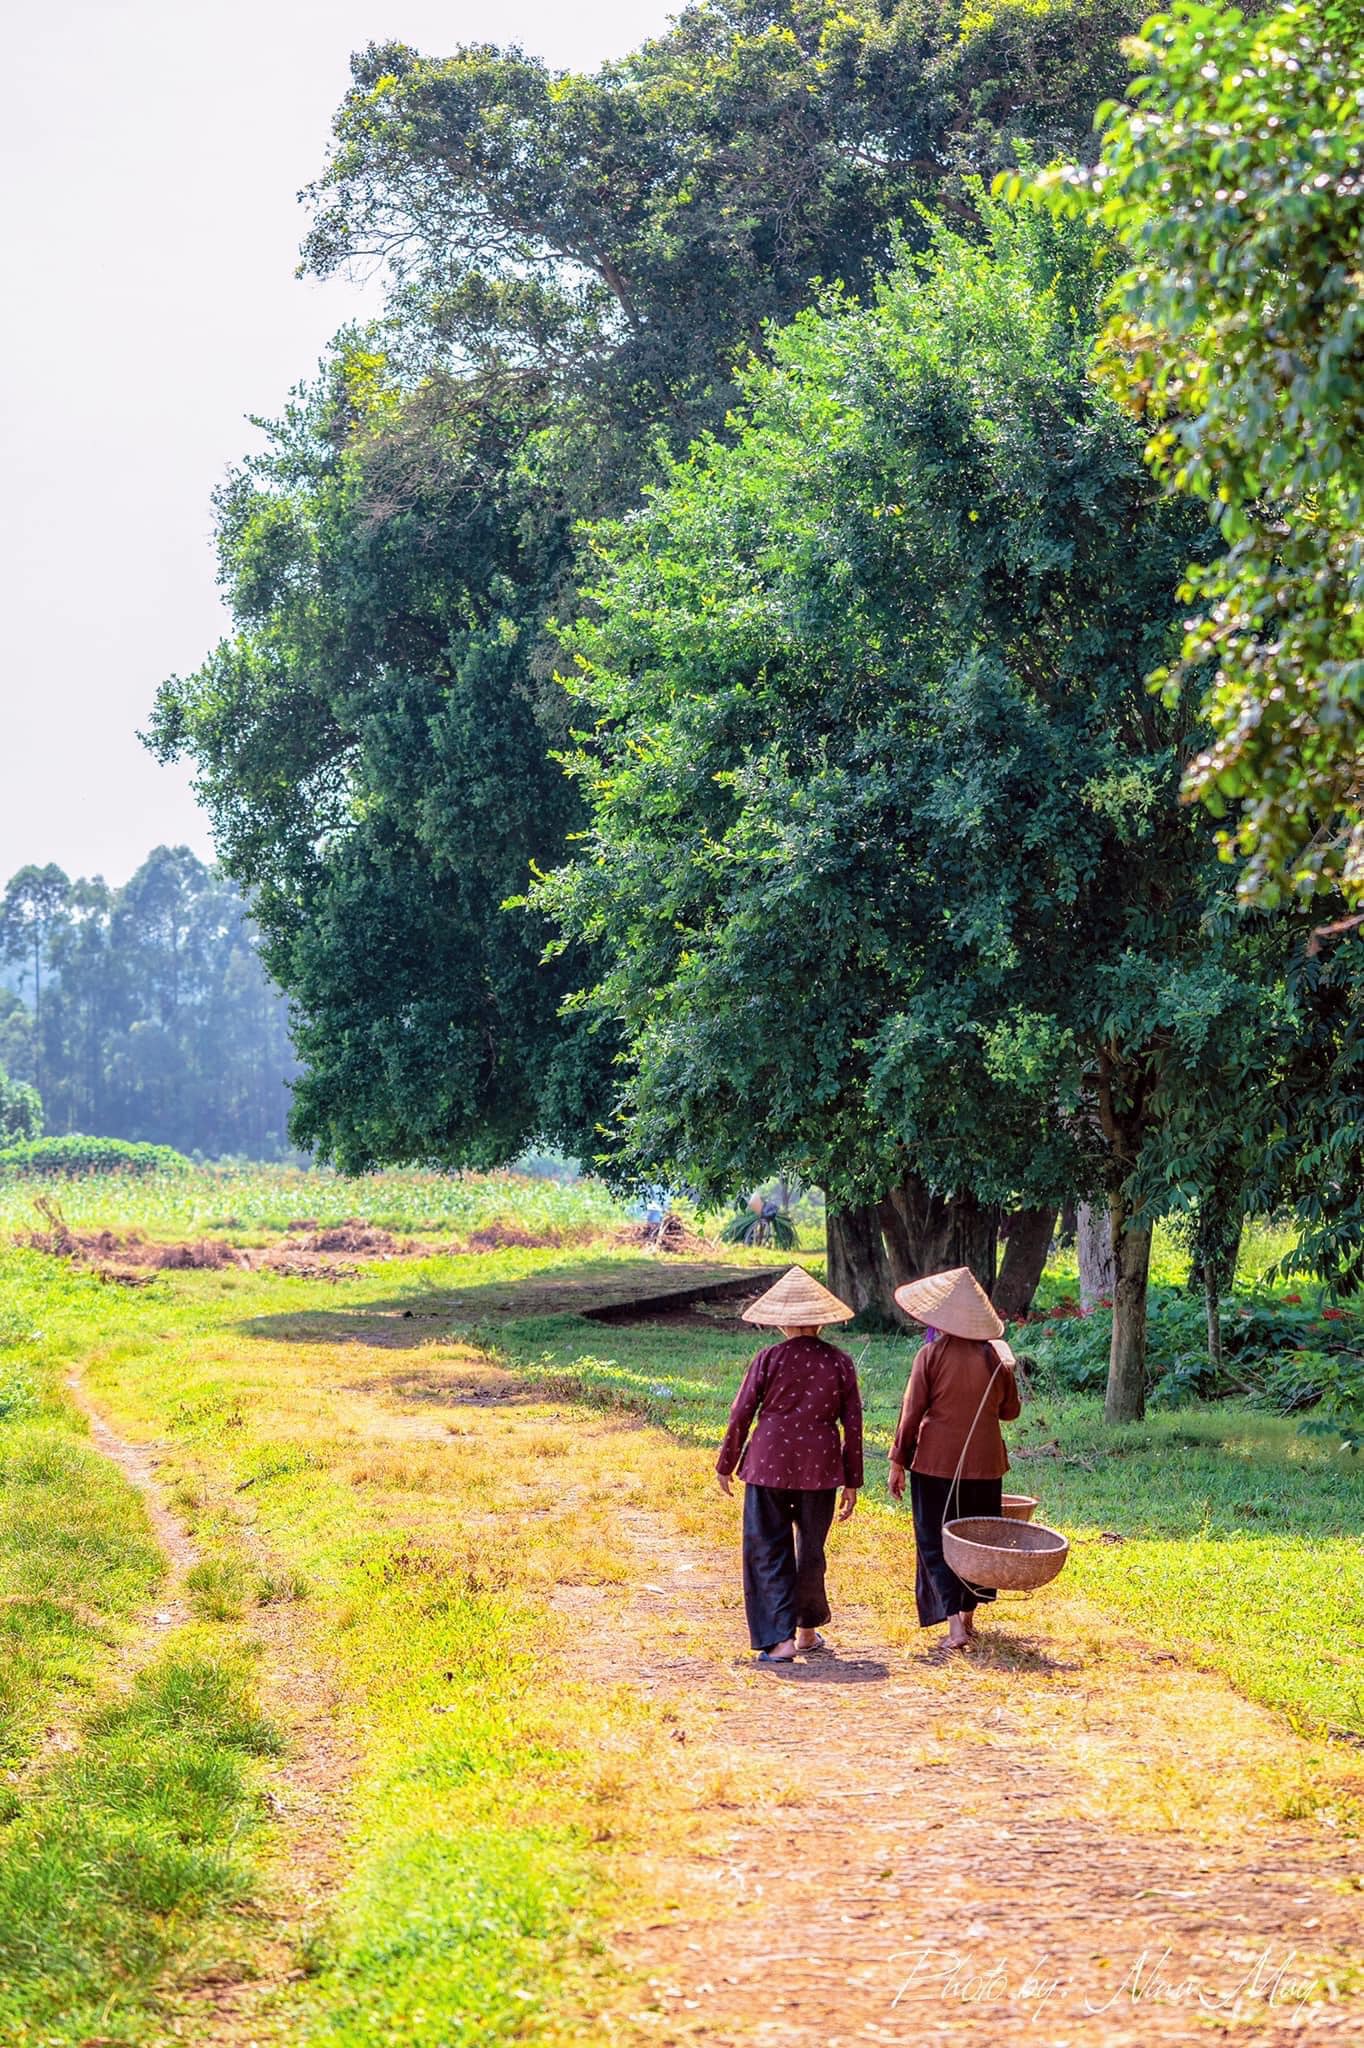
252	1203
76	1556
476	1845
489	1788
122	1855
110	1870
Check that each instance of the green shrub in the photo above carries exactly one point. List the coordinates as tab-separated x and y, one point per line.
44	1157
1277	1352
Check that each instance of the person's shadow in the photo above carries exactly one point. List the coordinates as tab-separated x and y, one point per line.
1002	1653
827	1669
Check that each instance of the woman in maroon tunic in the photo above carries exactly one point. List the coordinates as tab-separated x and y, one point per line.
807	1443
960	1389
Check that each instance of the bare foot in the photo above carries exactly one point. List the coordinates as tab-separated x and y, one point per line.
958	1637
809	1639
969	1622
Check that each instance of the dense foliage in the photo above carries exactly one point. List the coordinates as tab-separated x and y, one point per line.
576	262
1233	181
143	1012
1281	1353
888	868
75	1157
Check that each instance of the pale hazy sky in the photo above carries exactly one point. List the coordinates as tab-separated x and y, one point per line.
152	151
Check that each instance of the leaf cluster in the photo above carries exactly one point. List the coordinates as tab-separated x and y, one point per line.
1233	181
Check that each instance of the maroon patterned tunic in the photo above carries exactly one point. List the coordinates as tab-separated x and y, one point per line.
803	1392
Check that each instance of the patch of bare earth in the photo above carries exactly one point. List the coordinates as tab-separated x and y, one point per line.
311	1251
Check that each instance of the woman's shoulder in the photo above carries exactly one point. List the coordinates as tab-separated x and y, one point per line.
827	1350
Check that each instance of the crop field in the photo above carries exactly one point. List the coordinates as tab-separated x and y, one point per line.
251	1204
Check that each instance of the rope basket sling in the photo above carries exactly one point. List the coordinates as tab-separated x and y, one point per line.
1000	1553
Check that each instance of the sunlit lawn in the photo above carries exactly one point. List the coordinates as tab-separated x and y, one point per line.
1242	1539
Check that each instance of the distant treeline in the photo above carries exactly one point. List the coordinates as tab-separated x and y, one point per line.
142	1012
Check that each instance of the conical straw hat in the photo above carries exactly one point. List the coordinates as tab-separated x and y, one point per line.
953	1302
797	1302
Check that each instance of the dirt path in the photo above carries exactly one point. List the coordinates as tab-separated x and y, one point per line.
137	1464
908	1860
230	2004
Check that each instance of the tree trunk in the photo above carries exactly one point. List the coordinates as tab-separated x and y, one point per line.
1126	1398
1094	1244
875	1247
927	1232
857	1268
1212	1295
1025	1254
1217	1247
903	1250
975	1238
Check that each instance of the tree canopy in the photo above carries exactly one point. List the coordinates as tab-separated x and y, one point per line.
1233	182
576	261
887	870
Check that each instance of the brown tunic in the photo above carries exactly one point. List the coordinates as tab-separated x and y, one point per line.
946	1384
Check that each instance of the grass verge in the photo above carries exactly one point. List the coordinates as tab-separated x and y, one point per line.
495	1800
454	1524
126	1839
116	1874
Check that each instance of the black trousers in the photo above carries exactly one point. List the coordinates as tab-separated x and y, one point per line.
937	1589
784	1532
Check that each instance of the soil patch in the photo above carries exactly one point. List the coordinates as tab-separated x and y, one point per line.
313	1251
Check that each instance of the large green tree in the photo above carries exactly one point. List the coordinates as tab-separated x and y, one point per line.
888	870
576	262
1233	181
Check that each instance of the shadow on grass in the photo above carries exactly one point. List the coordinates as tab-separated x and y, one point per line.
1015	1653
418	1313
451	1389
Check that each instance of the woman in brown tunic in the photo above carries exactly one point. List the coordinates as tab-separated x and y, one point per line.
961	1388
806	1445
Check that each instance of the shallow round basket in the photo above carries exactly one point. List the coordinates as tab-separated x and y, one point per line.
1011	1557
1018	1507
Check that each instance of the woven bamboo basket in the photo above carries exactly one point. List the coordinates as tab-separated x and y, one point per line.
1008	1556
1018	1507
